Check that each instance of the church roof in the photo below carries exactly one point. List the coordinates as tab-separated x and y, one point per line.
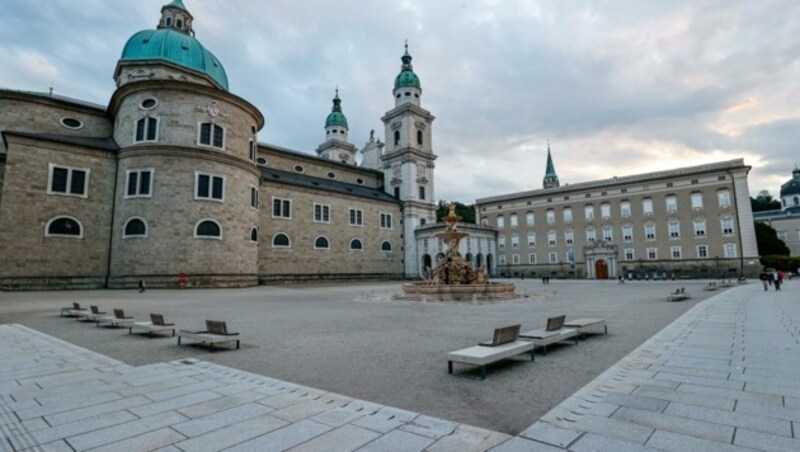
102	144
302	180
792	186
336	117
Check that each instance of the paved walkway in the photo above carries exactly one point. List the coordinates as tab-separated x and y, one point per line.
721	377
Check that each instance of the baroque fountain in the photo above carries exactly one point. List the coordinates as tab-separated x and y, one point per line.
454	279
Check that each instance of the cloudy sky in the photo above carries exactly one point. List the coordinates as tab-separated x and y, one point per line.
617	87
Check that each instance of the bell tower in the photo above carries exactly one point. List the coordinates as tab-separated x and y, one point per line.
550	178
408	159
336	147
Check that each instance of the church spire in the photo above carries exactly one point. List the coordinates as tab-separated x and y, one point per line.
174	15
550	178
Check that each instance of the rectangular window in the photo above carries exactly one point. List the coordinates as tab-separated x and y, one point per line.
674	229
386	221
146	130
567	215
281	208
727	225
629	254
209	187
650	231
68	181
605	211
588	213
513	220
647	206
531	240
396	192
699	228
672	204
501	259
501	223
675	252
702	251
724	198
514	241
551	217
531	258
730	250
356	217
254	197
322	213
515	258
652	253
590	235
625	209
421	193
552	258
569	237
783	235
627	233
608	234
529	219
252	151
570	255
139	183
697	200
501	242
551	238
212	135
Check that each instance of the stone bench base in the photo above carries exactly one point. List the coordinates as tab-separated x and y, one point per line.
481	355
543	338
207	338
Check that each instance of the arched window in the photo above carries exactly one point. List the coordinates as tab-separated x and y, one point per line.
208	229
168	21
254	235
396	137
281	240
419	137
356	244
796	201
322	243
64	227
386	246
146	130
135	227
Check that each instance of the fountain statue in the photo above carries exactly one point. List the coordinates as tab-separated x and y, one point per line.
454	278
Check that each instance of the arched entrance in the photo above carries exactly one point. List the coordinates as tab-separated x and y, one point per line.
468	259
489	269
478	260
427	265
601	269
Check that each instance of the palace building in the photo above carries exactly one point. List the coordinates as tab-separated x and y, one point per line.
786	220
687	222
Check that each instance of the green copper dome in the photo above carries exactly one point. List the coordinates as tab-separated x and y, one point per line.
336	117
172	46
406	77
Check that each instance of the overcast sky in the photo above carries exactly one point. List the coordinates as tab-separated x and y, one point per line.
617	87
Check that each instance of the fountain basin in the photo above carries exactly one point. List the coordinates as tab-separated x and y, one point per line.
457	292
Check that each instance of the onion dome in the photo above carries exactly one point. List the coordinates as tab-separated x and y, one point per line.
792	187
336	117
406	77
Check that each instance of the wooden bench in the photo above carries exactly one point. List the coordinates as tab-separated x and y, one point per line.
155	325
118	319
503	345
679	295
216	332
94	314
553	333
73	311
587	326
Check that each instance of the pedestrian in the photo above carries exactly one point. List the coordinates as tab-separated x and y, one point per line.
141	286
776	279
770	277
763	278
621	279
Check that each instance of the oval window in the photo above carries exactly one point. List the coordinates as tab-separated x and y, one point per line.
331	175
261	161
298	168
149	103
71	123
360	181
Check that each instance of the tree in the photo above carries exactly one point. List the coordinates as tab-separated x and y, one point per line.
768	242
466	212
764	201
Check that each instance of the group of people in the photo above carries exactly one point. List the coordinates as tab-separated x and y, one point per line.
772	278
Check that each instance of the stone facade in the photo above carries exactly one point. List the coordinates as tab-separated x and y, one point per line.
786	220
478	248
693	222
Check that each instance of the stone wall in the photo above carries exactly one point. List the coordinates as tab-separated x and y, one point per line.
317	167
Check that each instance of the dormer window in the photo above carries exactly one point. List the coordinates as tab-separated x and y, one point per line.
179	22
168	21
396	137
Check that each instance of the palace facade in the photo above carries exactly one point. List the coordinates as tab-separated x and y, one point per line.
786	220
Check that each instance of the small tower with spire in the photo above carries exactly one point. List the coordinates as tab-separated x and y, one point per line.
550	178
336	147
175	16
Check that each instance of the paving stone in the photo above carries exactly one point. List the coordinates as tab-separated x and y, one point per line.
749	421
636	401
232	435
283	438
338	416
220	419
159	396
677	424
147	441
591	442
124	431
221	403
430	426
158	386
380	423
693	371
81	426
285	400
764	441
550	434
675	442
760	409
311	408
72	404
55	446
615	428
174	404
704	381
766	388
727	393
520	444
95	410
398	441
688	398
344	438
467	438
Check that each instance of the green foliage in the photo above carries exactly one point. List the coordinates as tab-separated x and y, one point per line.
466	212
768	242
785	263
764	201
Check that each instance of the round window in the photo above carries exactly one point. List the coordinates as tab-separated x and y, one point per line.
71	123
332	176
149	103
360	181
261	161
298	168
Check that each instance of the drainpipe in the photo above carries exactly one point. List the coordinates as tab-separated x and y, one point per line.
113	211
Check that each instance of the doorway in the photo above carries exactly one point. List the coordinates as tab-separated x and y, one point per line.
601	269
